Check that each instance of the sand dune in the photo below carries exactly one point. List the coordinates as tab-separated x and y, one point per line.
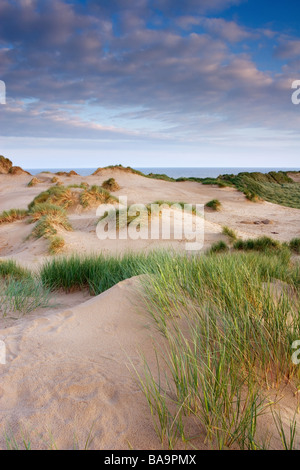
70	372
69	368
237	212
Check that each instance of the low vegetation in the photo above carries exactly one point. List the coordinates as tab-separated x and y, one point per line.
48	224
82	185
230	233
57	195
227	340
276	187
214	204
95	273
33	182
45	208
22	297
9	269
219	247
111	185
7	217
295	245
227	335
57	245
96	195
263	244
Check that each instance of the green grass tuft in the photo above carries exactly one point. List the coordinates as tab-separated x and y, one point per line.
295	245
9	269
219	247
262	244
230	233
214	204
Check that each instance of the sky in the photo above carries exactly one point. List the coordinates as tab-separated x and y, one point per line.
150	83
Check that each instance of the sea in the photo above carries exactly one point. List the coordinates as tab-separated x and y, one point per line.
186	172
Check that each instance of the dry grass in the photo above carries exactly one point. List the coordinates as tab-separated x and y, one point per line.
57	195
34	182
111	185
96	195
57	245
48	224
12	215
40	210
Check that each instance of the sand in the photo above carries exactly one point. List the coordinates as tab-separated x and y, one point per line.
70	373
237	212
69	367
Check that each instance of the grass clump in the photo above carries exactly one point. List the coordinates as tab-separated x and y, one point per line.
214	204
48	224
262	244
7	217
82	185
40	210
294	245
96	273
57	245
219	247
230	233
57	195
111	185
9	269
96	195
34	182
227	338
22	296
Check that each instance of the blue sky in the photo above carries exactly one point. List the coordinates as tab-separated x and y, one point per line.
150	83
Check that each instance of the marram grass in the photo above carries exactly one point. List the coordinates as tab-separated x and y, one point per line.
228	339
228	322
7	217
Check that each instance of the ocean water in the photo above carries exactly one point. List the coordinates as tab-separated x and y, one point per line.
172	172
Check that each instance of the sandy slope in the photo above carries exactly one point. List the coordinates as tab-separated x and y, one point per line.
69	373
72	375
